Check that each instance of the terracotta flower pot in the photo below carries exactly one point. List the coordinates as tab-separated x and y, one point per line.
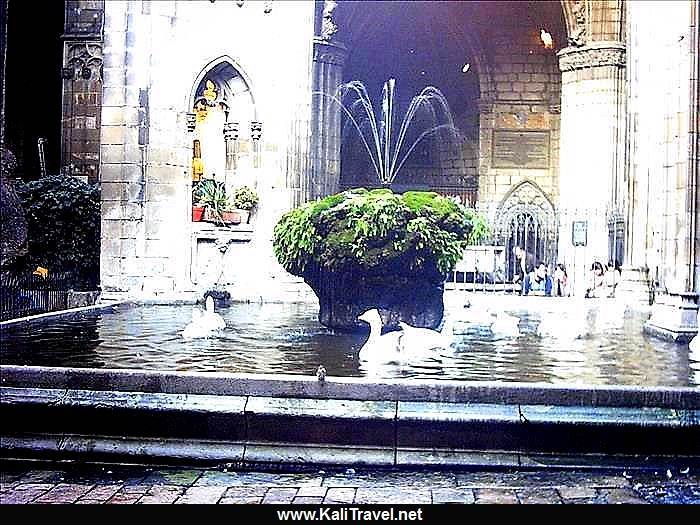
197	213
231	217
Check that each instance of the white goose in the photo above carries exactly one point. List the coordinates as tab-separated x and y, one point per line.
505	325
416	340
211	318
204	323
379	347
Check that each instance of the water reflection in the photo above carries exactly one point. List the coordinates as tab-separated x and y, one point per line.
286	338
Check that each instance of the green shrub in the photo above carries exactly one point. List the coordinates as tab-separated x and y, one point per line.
63	226
374	230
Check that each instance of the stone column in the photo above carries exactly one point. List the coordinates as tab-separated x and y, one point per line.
329	59
593	124
122	148
674	172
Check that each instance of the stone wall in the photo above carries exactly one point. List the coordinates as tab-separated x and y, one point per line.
154	55
523	106
663	165
82	88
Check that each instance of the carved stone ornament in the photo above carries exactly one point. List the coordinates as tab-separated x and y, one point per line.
577	38
255	130
330	53
526	199
85	59
328	26
571	59
231	131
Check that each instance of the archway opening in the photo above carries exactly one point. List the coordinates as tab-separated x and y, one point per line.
224	114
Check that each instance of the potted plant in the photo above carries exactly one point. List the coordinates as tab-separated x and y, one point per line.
245	199
212	195
230	215
364	249
197	206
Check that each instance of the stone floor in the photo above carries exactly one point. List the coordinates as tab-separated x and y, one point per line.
36	482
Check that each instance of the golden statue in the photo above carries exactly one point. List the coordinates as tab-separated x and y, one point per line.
210	92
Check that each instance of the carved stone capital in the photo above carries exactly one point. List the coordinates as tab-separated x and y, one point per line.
330	53
578	35
255	130
594	55
83	60
328	24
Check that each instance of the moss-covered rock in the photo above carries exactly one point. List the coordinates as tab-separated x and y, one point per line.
363	249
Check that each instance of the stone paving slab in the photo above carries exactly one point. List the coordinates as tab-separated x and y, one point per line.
161	494
399	495
201	495
500	496
64	493
537	496
98	484
233	479
280	495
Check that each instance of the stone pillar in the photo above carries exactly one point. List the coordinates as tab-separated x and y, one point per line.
674	171
122	148
329	59
593	124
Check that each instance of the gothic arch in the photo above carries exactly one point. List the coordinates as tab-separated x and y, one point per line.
215	64
526	218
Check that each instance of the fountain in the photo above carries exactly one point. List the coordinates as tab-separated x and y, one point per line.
377	130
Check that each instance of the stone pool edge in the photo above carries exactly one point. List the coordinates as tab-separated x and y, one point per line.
252	420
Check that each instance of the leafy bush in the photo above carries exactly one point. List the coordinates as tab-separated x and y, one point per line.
63	219
372	230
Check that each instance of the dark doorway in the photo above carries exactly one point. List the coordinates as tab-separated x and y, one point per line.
33	84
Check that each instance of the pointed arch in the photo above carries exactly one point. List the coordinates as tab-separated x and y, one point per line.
236	81
526	218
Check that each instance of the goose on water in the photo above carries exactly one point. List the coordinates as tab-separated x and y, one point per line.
379	347
204	323
417	339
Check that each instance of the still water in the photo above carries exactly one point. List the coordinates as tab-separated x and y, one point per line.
287	338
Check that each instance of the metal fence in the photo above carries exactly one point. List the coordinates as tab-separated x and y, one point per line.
27	294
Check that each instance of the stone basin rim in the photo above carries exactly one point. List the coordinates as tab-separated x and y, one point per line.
348	388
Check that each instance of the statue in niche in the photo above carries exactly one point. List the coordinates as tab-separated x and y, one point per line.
578	34
328	26
209	93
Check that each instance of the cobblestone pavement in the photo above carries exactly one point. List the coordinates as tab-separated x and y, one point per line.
67	483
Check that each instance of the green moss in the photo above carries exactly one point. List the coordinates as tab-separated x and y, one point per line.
371	230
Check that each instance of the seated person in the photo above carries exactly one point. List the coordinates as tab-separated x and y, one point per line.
596	285
538	282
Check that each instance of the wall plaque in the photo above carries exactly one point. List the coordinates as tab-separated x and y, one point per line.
520	149
579	233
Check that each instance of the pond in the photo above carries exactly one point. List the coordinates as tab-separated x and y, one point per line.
287	339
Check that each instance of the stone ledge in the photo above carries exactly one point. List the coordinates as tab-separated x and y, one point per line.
360	389
270	425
